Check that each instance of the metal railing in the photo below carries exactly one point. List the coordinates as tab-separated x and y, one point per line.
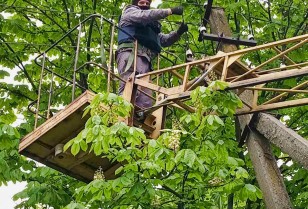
76	68
43	60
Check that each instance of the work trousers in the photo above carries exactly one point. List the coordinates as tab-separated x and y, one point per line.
143	66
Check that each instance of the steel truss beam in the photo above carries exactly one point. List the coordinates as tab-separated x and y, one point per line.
229	67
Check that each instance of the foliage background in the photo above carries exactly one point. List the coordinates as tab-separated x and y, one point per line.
32	26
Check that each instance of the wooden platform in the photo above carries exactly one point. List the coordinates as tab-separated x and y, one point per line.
65	125
41	143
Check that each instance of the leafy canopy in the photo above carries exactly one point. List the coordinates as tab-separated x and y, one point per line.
195	159
27	28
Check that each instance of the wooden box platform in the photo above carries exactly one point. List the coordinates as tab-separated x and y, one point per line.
66	124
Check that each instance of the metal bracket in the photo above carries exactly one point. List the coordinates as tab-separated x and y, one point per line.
227	40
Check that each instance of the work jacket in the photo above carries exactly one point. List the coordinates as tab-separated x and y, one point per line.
133	18
147	36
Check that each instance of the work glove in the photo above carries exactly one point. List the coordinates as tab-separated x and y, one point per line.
182	29
177	10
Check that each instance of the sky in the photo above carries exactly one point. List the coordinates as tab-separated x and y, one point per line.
7	192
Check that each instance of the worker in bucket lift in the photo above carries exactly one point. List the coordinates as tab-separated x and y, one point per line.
141	22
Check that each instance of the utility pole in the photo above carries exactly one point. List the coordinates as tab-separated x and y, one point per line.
267	172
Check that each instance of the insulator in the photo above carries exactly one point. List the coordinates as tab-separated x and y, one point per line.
59	151
202	29
282	65
189	55
250	37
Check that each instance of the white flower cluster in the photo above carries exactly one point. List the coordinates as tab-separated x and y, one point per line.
212	76
174	140
215	181
99	174
156	202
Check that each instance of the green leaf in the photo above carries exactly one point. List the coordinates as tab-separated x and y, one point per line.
158	153
241	173
107	194
10	131
210	119
259	193
218	120
16	133
290	82
96	119
202	167
3	74
179	155
68	144
189	157
169	165
105	145
232	161
98	148
75	206
96	130
250	187
83	145
90	137
152	143
220	142
188	119
75	149
86	111
116	183
125	181
119	170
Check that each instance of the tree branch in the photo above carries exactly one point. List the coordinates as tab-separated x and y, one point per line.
23	68
300	25
168	189
44	13
270	17
16	92
67	14
230	201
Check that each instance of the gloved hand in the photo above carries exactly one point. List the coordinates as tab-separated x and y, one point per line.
182	29
177	10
